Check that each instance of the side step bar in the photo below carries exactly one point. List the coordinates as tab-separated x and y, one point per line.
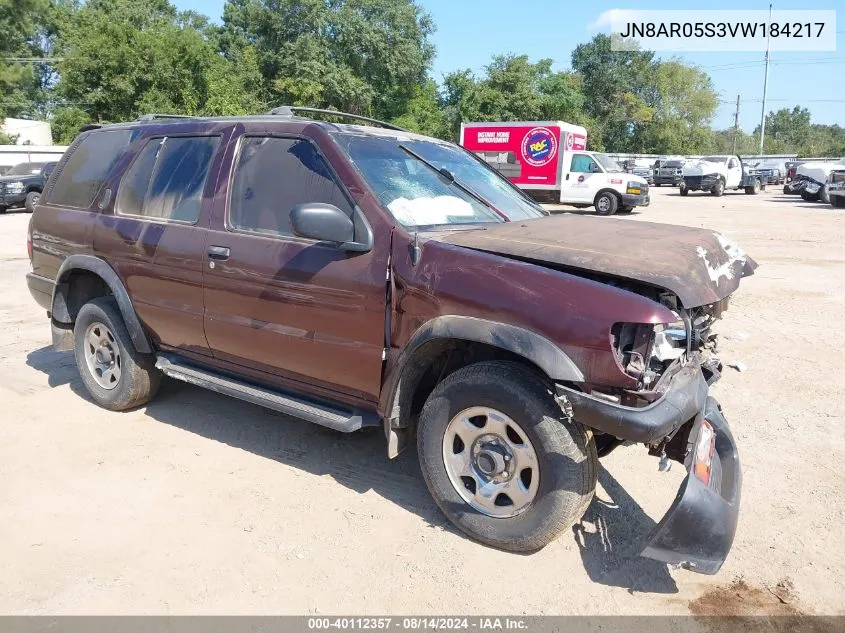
338	419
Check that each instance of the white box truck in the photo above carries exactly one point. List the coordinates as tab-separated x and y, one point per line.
549	160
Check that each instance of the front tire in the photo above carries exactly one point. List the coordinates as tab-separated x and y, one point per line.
31	200
500	459
718	189
117	376
838	201
683	189
810	197
606	203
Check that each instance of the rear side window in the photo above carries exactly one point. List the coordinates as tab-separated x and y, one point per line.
167	179
273	175
87	167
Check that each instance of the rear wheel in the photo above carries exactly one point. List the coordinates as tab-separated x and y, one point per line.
786	189
31	200
606	203
500	459
823	195
753	189
116	375
718	189
838	201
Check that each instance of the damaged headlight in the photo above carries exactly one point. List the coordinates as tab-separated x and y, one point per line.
14	187
644	350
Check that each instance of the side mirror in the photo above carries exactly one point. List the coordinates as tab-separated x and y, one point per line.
326	223
595	169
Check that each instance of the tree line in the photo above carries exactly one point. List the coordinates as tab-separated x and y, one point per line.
112	60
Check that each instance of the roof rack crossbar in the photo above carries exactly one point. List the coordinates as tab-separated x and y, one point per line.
153	116
290	110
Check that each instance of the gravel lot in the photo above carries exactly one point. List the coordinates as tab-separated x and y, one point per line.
202	504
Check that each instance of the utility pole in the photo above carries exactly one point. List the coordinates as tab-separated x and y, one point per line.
736	123
765	81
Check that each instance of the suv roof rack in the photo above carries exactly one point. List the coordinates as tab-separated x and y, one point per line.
153	116
289	111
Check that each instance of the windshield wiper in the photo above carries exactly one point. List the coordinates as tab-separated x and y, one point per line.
449	177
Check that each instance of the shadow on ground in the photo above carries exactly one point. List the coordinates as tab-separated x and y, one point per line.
358	461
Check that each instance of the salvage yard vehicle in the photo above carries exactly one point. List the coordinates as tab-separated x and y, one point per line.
640	167
361	275
718	173
836	188
22	185
550	162
773	172
811	180
669	171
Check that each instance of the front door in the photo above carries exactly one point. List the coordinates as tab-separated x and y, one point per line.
304	313
734	177
581	180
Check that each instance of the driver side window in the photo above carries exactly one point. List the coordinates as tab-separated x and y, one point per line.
583	164
732	163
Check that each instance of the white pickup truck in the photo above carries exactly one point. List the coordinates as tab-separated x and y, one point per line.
718	173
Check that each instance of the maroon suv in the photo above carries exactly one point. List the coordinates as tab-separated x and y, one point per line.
357	275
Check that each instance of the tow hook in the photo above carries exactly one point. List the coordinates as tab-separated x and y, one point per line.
665	464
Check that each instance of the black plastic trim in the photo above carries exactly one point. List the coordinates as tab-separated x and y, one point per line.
41	289
683	400
698	530
102	269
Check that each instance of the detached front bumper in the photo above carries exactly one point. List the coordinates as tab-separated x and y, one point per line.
700	183
698	530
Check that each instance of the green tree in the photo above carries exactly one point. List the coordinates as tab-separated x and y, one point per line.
362	56
19	21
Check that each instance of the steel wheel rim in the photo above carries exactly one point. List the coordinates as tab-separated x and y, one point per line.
102	356
604	203
491	462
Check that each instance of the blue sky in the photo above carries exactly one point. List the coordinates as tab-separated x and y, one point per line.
469	32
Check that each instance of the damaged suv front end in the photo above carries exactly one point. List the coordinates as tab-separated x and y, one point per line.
668	366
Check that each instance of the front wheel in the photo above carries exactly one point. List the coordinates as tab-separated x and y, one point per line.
606	203
117	376
838	201
718	189
31	200
806	196
500	459
683	190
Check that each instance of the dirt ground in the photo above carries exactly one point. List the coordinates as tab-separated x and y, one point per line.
202	504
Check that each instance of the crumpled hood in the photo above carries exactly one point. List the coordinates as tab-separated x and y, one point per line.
703	168
699	266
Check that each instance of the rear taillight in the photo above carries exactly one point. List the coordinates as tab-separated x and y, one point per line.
29	239
704	450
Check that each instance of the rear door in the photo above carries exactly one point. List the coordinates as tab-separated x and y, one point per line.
306	314
155	234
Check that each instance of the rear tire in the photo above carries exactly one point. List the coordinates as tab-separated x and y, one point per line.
753	190
31	200
786	190
117	376
565	461
606	203
838	201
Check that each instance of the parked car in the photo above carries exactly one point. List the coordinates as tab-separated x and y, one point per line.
718	173
836	187
640	167
359	276
811	180
22	185
669	172
773	172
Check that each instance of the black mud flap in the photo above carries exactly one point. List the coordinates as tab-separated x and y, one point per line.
698	530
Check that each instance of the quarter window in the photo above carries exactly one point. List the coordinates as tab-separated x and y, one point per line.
167	179
87	167
272	176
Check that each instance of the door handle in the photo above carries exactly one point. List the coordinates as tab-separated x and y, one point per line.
218	252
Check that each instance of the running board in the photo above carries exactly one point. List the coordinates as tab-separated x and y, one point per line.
338	419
